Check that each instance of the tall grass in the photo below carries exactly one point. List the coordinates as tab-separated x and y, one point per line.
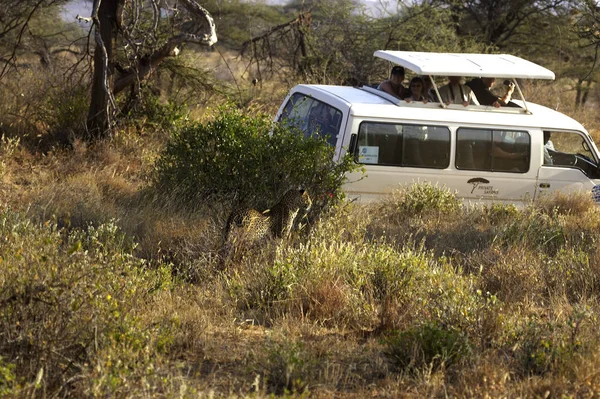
380	295
107	290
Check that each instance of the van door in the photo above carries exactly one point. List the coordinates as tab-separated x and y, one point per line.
490	164
494	164
397	153
568	164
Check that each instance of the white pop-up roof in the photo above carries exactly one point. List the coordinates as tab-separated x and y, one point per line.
456	64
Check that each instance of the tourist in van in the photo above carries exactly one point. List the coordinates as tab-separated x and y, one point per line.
417	89
428	90
394	84
457	93
548	146
482	89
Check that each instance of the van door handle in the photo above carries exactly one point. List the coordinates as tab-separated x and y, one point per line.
544	185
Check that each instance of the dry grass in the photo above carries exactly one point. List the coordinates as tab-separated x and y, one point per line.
567	203
313	316
323	326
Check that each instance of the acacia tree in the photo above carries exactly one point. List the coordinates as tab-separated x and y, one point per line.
587	28
588	25
16	33
133	37
497	22
334	43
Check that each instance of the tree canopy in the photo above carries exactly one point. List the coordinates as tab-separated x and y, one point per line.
329	41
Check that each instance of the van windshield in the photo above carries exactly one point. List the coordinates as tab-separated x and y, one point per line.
313	117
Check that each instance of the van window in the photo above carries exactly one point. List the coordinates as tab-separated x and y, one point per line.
569	149
408	145
492	150
313	117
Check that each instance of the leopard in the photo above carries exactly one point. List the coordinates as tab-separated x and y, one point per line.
252	226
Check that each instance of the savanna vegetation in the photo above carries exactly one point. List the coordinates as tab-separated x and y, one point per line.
122	154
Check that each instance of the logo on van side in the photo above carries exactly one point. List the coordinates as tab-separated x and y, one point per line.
477	183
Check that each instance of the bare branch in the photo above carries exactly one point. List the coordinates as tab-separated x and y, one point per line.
19	38
301	19
210	37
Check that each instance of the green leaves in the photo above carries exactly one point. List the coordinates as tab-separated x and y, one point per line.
72	296
247	159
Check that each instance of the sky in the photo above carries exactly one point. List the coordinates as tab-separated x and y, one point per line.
84	7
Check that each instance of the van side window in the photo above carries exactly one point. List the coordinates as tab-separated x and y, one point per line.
569	149
313	117
407	145
492	150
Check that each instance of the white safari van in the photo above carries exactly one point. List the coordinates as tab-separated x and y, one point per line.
507	154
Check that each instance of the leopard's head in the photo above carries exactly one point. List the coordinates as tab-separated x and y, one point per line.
297	198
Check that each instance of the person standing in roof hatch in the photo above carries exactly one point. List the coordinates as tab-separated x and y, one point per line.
418	91
428	90
456	93
481	87
394	85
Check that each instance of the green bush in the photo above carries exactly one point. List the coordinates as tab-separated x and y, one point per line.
7	378
498	213
154	113
248	159
545	346
422	199
289	368
64	112
68	307
534	229
429	345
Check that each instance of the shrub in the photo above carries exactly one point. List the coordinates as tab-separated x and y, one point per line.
538	230
428	345
289	368
499	213
573	273
64	113
544	346
7	378
154	113
421	199
69	302
246	158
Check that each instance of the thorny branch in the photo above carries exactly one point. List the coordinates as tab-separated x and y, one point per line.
291	34
11	59
145	65
144	48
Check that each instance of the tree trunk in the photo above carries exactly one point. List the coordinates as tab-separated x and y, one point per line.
108	25
99	113
586	91
578	93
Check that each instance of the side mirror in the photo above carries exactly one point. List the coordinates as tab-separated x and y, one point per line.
351	147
